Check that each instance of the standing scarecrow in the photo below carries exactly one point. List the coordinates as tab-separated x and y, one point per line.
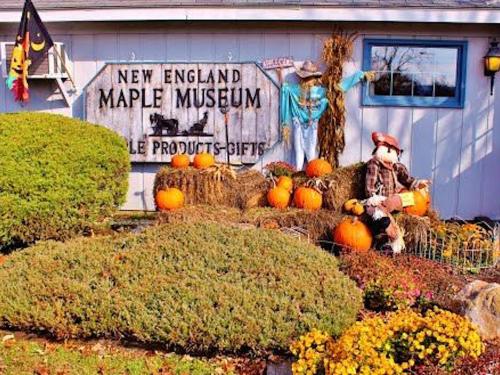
302	106
386	181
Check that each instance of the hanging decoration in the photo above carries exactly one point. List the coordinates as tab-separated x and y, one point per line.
33	41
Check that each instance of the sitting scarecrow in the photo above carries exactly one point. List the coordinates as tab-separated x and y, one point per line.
387	182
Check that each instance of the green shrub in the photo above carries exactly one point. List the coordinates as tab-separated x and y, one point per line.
57	175
201	287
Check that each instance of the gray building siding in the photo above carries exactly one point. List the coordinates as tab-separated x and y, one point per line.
459	149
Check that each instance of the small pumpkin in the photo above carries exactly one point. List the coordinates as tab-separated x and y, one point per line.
354	206
421	204
203	160
349	205
353	234
278	197
169	199
179	161
318	168
307	198
286	183
358	209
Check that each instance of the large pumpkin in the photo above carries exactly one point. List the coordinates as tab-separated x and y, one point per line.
318	168
180	161
286	183
307	198
278	197
203	160
422	202
353	234
169	199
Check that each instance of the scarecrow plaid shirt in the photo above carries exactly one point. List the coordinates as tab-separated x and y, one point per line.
382	180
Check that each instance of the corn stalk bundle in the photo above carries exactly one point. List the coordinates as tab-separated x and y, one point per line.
337	49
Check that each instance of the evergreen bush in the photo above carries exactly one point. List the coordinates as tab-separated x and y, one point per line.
57	176
198	287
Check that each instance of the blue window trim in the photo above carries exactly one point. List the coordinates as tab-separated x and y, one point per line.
412	101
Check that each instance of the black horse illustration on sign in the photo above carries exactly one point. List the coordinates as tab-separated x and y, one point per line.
159	123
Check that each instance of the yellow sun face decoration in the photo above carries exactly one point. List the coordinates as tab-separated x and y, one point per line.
17	62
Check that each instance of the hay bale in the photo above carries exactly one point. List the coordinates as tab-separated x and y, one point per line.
215	186
343	184
201	213
250	189
416	230
318	224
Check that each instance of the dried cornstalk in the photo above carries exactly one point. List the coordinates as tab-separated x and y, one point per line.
337	49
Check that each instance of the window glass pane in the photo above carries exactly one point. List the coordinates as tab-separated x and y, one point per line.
445	85
402	84
414	71
422	85
445	77
381	85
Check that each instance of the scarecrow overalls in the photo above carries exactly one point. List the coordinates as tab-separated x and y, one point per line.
302	110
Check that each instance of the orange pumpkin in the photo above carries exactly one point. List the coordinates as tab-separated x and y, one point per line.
286	183
422	202
278	197
180	161
203	160
427	196
318	168
307	198
169	199
353	234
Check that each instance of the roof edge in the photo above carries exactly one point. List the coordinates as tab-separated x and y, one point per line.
275	13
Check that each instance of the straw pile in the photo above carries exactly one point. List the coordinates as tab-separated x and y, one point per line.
316	225
416	229
201	213
215	186
223	196
337	50
343	184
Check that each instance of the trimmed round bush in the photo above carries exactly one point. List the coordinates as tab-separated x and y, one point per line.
199	287
57	175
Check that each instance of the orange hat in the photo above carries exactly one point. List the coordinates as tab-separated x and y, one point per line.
385	139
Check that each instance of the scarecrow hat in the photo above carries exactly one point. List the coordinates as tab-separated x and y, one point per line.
308	69
385	139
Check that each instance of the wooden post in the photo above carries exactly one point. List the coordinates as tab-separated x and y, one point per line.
64	65
225	111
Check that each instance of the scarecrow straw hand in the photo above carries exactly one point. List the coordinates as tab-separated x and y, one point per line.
370	76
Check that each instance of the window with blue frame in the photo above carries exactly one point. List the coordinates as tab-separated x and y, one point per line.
415	73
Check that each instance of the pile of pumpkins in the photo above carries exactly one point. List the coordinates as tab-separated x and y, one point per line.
303	197
350	232
172	198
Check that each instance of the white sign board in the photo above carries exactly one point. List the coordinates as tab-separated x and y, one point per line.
165	109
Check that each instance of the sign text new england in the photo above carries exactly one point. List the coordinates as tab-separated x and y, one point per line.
165	109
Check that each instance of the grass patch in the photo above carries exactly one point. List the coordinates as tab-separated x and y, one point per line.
195	287
22	356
